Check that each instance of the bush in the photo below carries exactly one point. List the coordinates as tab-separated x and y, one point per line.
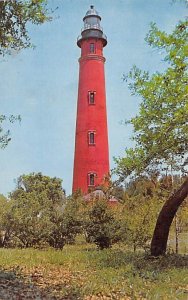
39	214
100	224
66	225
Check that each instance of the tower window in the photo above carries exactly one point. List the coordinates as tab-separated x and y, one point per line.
91	137
92	48
91	179
91	97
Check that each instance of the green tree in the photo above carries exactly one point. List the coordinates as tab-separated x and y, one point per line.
67	224
39	214
40	184
3	212
5	135
15	15
101	226
161	127
138	221
139	211
34	205
31	224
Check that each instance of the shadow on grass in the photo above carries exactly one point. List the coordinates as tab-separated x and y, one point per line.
167	261
14	285
116	258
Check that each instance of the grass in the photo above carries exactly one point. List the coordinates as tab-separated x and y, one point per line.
82	272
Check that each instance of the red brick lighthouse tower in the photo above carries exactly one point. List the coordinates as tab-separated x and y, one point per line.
91	158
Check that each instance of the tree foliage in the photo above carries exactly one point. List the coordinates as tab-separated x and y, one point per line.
15	15
5	137
138	221
33	205
161	127
101	225
38	214
3	215
138	213
66	224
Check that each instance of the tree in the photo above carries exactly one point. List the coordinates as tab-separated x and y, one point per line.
161	127
3	212
40	184
15	15
5	136
139	211
138	221
39	214
165	218
101	226
34	205
31	224
14	19
66	224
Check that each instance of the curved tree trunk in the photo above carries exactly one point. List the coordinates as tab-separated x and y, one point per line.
165	218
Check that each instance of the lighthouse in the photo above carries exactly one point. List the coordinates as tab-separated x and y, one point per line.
91	156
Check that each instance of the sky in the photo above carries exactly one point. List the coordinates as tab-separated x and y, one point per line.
41	85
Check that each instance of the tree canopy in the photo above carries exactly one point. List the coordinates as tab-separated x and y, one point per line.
33	205
15	15
161	126
14	18
5	134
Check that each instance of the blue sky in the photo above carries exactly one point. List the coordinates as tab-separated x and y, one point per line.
41	84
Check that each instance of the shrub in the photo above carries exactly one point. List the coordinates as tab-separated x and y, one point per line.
100	224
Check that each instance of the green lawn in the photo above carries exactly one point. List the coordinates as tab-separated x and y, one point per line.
82	272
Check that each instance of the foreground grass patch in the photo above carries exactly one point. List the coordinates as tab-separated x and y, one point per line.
82	272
